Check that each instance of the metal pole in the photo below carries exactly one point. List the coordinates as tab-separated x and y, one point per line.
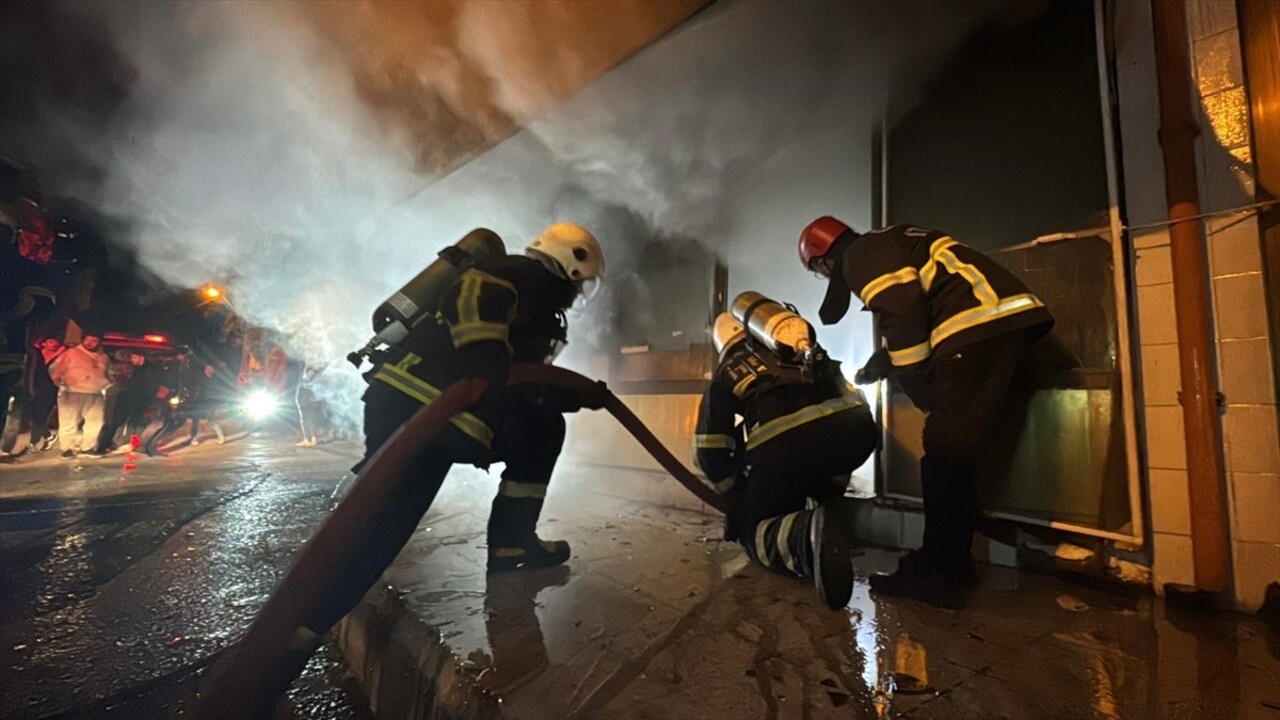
1190	296
1121	261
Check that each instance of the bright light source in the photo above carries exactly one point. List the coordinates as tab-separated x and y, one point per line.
175	401
160	339
211	292
260	404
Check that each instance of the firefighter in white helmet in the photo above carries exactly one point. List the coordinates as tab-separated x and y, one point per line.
500	309
804	431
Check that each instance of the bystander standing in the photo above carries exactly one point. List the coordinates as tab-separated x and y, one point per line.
81	376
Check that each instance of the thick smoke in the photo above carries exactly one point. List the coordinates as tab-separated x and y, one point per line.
313	157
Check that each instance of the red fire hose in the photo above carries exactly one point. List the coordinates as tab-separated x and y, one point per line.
579	385
278	644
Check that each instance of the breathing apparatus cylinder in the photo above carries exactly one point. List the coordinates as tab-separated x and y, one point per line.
420	297
726	333
778	327
422	294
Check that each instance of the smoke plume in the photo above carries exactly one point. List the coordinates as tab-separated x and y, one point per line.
314	156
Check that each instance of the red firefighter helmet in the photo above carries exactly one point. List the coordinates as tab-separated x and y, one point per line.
818	237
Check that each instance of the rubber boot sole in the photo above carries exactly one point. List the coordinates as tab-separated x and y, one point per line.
832	564
529	558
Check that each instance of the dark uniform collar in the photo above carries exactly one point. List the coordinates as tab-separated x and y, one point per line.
839	295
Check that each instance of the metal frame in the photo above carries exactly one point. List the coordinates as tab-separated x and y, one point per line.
1122	261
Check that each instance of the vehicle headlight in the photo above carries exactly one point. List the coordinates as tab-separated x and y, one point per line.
260	404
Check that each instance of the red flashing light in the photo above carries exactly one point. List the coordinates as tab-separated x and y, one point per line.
159	339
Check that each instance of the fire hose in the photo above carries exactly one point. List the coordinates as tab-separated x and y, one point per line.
577	384
279	643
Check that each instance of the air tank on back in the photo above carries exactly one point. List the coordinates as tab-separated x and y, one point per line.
422	294
775	325
420	297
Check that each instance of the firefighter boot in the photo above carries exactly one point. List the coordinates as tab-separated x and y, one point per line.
832	565
513	544
808	544
944	583
941	573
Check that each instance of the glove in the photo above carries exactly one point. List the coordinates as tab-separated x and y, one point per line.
597	397
877	368
567	401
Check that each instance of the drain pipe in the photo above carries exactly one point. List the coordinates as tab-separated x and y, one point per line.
1199	396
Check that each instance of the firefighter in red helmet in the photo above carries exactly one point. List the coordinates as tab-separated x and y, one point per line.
955	326
792	400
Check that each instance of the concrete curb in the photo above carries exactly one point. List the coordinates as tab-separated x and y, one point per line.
404	665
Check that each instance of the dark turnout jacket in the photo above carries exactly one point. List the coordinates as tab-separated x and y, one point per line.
504	309
932	294
746	385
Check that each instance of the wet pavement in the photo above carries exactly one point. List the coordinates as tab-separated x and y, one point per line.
124	578
655	618
121	589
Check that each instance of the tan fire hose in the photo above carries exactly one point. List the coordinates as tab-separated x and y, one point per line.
278	644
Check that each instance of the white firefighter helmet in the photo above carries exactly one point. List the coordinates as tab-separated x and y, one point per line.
726	333
574	249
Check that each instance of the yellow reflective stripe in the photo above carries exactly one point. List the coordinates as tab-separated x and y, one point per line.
426	394
471	327
982	289
980	315
761	555
472	426
743	385
714	442
930	269
469	298
469	294
886	281
408	361
464	334
911	355
513	489
775	427
940	253
784	533
726	485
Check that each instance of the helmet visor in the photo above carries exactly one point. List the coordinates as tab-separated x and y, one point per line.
587	291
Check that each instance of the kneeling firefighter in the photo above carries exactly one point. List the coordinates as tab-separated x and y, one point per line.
805	430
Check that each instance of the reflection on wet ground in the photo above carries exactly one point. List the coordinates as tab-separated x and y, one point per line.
120	590
654	618
115	596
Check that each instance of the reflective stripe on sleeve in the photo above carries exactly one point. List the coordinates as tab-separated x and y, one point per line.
911	355
714	442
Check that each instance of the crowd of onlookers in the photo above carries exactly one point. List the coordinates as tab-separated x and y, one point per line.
101	398
194	363
139	397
